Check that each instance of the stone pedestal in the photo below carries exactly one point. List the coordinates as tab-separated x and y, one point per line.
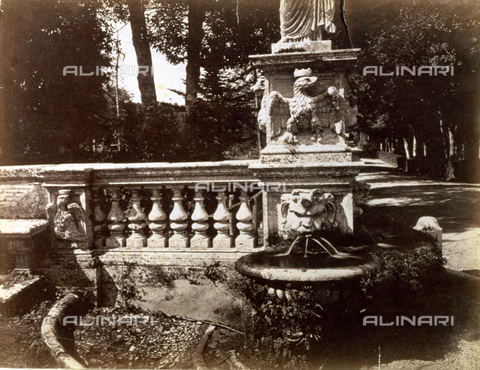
306	94
307	108
22	239
305	154
320	46
336	179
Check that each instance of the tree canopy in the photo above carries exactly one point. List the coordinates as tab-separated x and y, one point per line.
211	34
50	116
423	33
50	108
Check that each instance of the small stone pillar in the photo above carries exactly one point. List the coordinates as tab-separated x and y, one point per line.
99	220
246	239
429	225
222	217
200	239
136	223
116	222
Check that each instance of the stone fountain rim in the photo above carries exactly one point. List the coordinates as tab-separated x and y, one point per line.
296	275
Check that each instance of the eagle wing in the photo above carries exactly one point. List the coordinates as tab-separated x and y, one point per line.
325	108
77	212
263	117
278	112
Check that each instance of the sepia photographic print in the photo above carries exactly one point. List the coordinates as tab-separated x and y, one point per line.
240	184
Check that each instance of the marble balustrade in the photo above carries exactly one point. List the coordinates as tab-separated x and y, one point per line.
172	207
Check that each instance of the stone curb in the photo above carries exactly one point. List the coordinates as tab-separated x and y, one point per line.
463	279
50	330
21	297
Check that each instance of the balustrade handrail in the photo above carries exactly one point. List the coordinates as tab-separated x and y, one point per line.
144	174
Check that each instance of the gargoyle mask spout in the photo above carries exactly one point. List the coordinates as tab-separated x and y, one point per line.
307	210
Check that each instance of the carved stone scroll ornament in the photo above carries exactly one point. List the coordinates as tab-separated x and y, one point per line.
304	115
69	220
307	210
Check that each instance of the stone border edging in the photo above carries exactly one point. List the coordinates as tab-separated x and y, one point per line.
472	283
50	328
19	298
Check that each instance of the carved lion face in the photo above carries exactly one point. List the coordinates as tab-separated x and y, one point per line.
308	210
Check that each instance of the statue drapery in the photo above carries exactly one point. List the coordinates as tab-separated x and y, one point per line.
302	20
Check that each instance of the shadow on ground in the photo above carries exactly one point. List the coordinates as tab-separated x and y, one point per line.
400	204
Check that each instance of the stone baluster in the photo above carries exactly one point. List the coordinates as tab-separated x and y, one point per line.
178	224
200	224
223	239
157	222
99	220
116	218
137	223
256	219
244	216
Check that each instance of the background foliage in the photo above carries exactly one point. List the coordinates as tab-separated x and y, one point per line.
51	118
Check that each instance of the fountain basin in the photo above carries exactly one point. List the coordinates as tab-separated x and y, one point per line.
295	268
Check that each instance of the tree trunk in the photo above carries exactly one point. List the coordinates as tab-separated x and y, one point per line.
407	151
449	171
472	146
447	139
146	83
196	17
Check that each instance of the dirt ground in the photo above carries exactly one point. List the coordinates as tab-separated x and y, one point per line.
399	200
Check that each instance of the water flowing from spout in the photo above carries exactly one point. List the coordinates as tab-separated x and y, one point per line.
326	246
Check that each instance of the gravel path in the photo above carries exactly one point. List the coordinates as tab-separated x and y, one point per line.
401	200
397	200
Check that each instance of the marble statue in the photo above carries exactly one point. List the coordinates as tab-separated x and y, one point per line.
303	20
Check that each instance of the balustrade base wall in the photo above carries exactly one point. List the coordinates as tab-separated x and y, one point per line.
161	273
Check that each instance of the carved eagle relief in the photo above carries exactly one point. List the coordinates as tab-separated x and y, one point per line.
317	116
69	220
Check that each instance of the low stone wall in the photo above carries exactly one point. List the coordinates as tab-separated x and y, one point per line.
17	298
58	338
390	158
21	193
103	217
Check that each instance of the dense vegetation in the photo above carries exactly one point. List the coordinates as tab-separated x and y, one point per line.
52	118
